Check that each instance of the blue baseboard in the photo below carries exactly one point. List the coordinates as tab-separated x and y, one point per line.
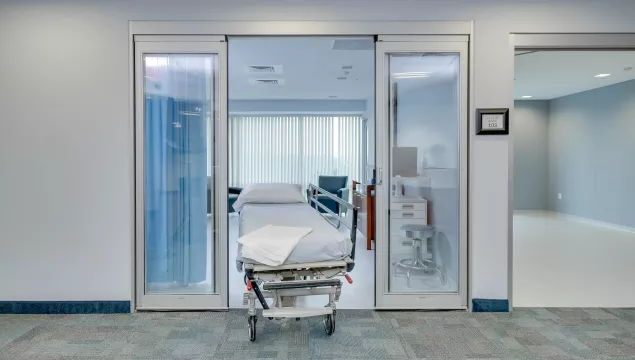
490	305
64	307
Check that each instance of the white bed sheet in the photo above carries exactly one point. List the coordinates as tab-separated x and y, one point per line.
324	243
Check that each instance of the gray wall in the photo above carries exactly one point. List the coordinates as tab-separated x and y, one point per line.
581	146
592	154
531	154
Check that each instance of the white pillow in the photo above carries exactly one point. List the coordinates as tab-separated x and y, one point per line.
270	193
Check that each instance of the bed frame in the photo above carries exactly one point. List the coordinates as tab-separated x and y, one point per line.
285	283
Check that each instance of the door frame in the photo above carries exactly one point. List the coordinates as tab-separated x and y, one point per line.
552	42
292	28
218	299
384	299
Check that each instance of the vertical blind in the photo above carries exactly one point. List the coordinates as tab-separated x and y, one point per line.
294	148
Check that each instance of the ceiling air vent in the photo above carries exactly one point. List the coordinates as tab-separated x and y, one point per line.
268	82
263	69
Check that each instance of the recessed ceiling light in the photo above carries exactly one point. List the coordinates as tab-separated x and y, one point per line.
602	75
526	97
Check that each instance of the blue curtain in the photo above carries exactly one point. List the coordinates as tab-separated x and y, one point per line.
175	190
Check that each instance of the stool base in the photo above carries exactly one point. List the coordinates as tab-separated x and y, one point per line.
427	267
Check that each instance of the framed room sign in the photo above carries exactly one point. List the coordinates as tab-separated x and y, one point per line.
492	122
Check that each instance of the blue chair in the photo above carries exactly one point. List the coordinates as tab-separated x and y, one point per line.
335	185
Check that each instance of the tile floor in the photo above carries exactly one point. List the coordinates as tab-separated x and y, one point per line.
360	334
561	261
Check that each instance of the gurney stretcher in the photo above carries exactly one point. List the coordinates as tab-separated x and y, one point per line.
285	283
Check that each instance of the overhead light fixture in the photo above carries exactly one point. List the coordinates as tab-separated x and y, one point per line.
601	76
411	75
526	97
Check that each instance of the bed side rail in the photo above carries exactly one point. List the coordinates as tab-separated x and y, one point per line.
335	219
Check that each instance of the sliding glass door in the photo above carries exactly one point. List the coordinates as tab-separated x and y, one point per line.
180	128
421	203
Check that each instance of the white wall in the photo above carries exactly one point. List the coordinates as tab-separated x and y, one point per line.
66	141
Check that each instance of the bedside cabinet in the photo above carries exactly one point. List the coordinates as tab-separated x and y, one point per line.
409	208
406	211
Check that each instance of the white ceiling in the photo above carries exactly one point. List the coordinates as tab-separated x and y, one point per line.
547	75
310	68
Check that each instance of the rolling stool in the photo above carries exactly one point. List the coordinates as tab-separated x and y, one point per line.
418	236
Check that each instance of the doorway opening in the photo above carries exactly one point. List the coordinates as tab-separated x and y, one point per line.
301	111
574	204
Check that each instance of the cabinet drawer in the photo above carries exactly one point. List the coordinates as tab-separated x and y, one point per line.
418	206
399	214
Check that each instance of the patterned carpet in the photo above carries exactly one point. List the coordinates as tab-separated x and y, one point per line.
360	334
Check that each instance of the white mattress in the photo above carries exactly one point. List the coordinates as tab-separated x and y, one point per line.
324	243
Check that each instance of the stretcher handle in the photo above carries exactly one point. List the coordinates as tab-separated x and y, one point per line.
251	282
348	278
249	287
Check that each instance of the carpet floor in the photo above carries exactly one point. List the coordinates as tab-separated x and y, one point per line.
361	334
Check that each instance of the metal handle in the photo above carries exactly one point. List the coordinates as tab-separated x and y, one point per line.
407	206
407	214
380	177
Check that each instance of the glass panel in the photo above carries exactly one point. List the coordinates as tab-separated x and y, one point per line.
424	167
179	187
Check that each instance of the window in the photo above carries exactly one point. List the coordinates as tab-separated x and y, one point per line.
294	148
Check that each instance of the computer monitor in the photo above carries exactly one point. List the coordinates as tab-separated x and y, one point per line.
404	161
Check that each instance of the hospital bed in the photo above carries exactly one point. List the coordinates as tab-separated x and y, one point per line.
315	265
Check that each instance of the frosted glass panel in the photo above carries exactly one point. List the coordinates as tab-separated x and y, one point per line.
179	187
424	182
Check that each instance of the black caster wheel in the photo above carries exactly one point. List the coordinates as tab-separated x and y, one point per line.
252	328
329	323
